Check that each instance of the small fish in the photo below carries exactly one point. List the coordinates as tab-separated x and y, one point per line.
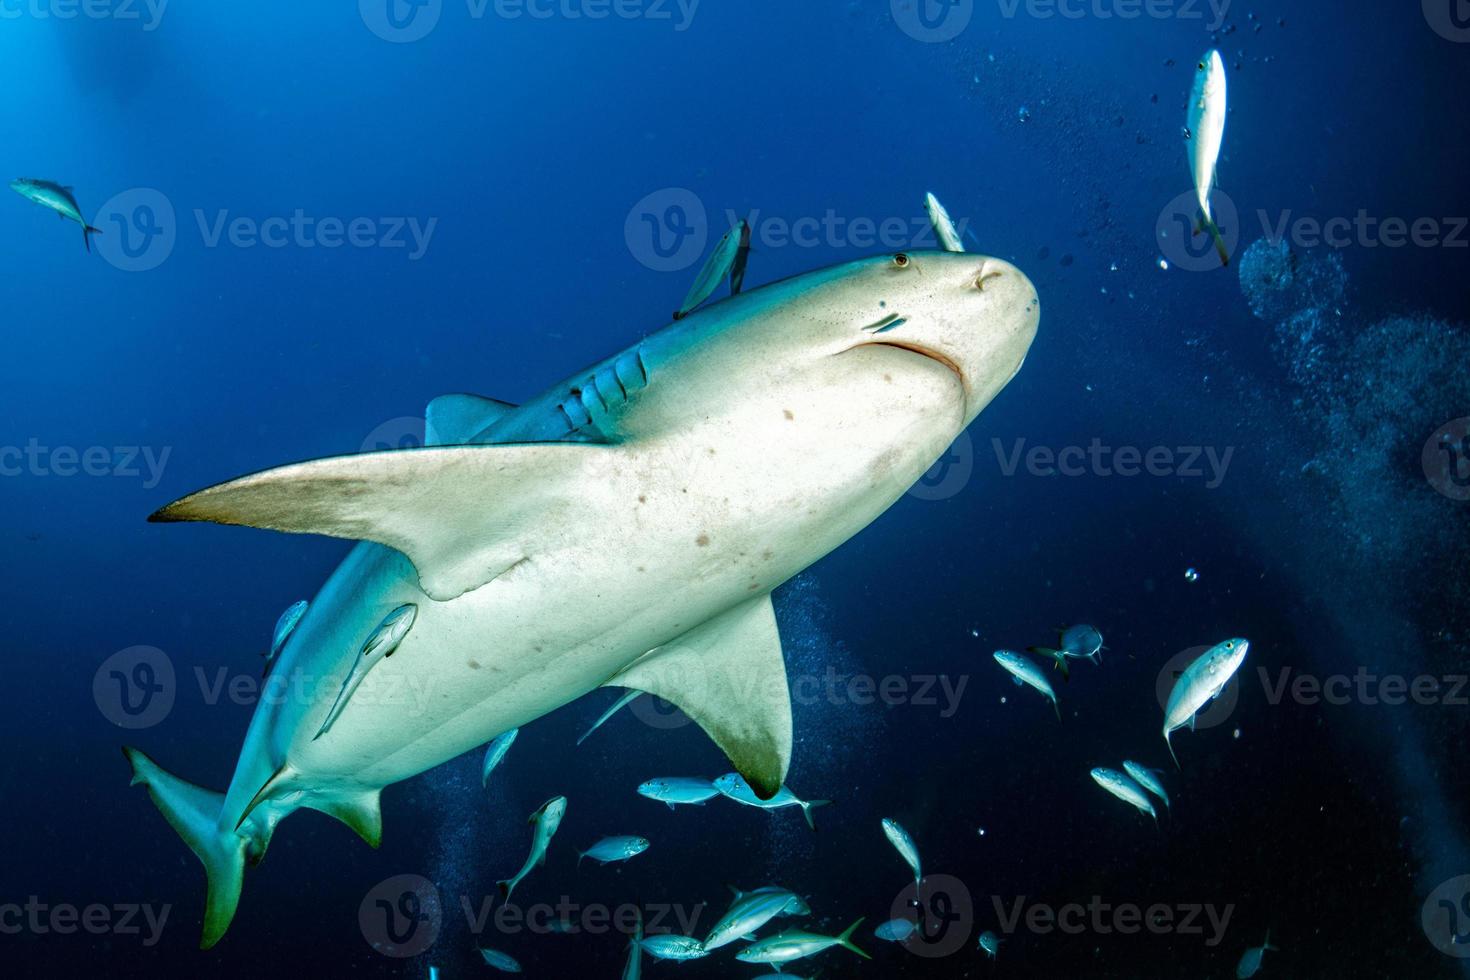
719	265
379	646
433	973
752	910
495	754
60	199
734	786
1081	642
633	967
611	849
1124	789
944	229
546	820
895	930
795	944
285	626
1205	134
905	846
1250	960
674	790
1026	672
500	961
1148	779
1200	683
672	947
990	942
742	258
617	706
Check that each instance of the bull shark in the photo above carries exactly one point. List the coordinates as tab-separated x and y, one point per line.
625	528
60	199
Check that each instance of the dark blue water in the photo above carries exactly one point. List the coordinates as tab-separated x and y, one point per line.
523	152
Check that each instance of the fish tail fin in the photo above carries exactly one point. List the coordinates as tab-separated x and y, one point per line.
1170	743
87	232
580	856
808	807
506	887
1057	708
1267	943
194	812
1208	224
845	940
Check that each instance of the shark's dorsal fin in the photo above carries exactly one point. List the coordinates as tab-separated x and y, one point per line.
453	420
728	675
462	514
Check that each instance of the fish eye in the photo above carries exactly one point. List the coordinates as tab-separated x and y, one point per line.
901	261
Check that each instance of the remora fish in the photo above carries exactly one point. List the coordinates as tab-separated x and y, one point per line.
611	849
380	645
284	627
944	229
546	820
905	846
617	706
752	910
495	754
1200	683
1205	133
1026	672
721	263
734	786
1250	960
679	789
1124	789
796	944
604	488
1148	779
60	199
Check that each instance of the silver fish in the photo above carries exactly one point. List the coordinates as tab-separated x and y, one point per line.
990	942
500	961
752	910
905	846
546	820
734	786
1250	960
60	199
674	790
1148	779
379	646
1124	789
1200	683
672	947
285	626
944	229
895	930
611	849
1205	134
1026	672
495	754
719	265
796	944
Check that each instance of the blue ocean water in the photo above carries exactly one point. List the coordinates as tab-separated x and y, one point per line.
316	219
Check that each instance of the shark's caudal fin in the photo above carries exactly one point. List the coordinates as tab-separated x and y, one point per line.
728	675
87	232
194	812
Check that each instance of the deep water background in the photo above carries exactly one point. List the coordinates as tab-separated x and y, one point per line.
530	141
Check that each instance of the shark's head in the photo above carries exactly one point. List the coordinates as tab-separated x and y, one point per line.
972	314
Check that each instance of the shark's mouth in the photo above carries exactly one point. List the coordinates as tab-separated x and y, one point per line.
932	355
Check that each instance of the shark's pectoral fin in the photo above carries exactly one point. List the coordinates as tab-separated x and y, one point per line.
453	420
463	515
728	675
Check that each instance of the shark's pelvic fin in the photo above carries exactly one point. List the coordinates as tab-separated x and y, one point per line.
454	420
363	813
194	812
728	675
463	515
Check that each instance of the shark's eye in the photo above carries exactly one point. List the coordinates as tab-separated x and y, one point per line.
1201	66
901	261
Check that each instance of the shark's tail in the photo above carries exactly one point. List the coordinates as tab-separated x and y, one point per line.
194	812
87	232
